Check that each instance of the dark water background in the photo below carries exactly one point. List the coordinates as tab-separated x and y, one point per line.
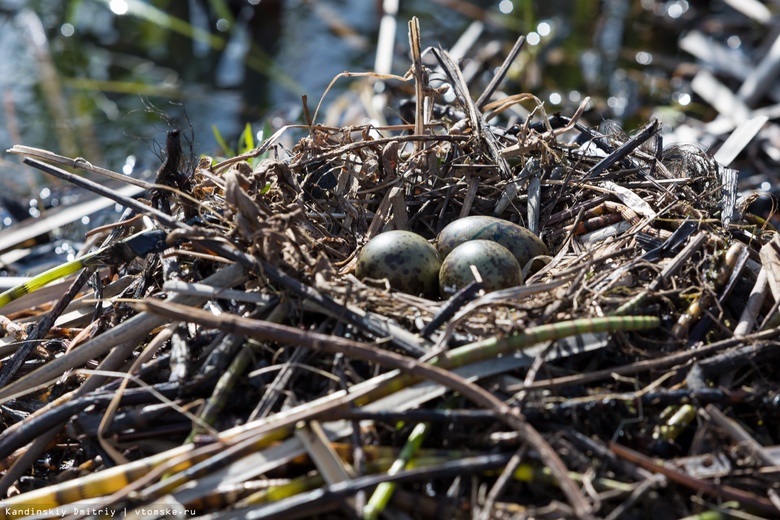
79	79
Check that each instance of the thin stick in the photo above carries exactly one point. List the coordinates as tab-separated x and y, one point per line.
740	435
626	148
80	163
335	345
501	73
651	364
125	337
697	485
20	356
94	187
420	82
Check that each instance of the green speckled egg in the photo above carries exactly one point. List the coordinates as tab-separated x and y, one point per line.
496	264
407	260
520	242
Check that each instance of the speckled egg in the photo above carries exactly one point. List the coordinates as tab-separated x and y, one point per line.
523	244
407	260
497	266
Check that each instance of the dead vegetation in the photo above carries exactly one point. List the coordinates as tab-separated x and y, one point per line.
243	371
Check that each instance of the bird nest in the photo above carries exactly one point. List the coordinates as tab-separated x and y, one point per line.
241	368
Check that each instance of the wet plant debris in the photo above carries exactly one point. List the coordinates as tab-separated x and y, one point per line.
226	361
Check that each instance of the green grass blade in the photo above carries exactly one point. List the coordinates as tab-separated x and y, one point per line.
45	278
384	491
247	142
492	347
221	142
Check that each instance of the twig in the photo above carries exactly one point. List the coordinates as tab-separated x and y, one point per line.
697	485
126	335
8	370
420	79
652	364
107	193
498	77
331	344
739	434
80	163
630	145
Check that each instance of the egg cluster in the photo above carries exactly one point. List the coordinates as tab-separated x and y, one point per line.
496	248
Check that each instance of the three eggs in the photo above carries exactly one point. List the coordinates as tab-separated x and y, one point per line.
497	248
